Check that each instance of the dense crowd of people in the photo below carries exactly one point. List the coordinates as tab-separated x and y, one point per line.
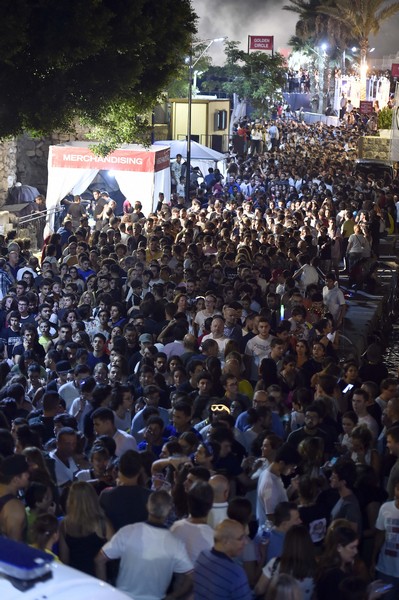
177	415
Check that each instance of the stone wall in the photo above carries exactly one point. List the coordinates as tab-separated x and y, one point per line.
8	167
32	155
374	148
24	159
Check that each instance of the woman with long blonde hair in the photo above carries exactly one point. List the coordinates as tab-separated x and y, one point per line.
85	528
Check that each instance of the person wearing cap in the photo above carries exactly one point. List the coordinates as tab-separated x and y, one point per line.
145	340
14	476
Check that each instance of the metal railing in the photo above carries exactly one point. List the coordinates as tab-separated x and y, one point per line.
39	215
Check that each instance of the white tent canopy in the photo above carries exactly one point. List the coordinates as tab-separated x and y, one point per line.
201	156
140	172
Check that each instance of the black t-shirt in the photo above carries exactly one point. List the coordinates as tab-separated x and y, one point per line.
47	427
11	338
327	586
373	372
37	349
375	411
296	437
316	517
124	505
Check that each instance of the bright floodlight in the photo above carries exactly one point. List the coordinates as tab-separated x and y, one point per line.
324	47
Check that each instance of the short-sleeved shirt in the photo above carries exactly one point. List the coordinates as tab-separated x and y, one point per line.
123	442
195	536
270	492
149	557
348	508
388	521
333	299
218	577
257	349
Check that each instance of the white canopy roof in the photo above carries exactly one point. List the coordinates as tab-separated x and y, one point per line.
140	172
201	156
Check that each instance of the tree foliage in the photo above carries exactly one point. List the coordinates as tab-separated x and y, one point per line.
256	77
102	61
178	87
314	26
361	17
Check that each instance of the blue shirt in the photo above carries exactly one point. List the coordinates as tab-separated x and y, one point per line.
275	546
138	420
277	425
217	577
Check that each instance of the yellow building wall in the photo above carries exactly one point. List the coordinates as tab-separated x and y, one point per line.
202	120
214	107
198	119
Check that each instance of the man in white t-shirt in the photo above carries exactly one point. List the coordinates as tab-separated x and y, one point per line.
359	405
202	315
386	545
104	424
257	348
65	466
217	334
221	489
194	531
150	555
271	491
334	300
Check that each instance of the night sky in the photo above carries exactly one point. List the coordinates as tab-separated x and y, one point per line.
239	18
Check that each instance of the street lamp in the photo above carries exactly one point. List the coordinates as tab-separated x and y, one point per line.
191	66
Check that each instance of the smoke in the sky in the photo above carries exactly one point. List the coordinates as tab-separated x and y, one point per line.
237	19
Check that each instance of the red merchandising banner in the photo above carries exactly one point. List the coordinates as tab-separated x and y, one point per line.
366	107
72	157
395	70
260	42
162	160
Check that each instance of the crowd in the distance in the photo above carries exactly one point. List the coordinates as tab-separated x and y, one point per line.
173	391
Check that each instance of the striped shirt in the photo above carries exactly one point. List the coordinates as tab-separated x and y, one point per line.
217	577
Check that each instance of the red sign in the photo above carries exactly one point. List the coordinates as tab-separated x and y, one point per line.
366	107
143	161
395	70
260	42
162	160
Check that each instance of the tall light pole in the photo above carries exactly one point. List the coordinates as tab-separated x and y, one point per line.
191	66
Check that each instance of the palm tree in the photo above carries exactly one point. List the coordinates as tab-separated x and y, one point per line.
312	28
314	25
363	18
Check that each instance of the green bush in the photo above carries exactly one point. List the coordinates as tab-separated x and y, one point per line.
385	118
